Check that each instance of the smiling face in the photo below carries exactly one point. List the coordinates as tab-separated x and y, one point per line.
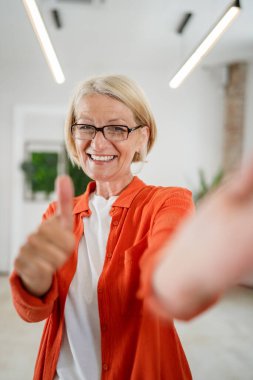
100	159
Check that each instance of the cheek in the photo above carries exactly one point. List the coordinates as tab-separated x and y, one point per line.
80	147
131	149
128	156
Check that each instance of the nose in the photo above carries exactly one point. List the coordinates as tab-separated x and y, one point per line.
99	141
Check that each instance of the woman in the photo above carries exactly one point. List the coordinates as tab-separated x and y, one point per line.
82	269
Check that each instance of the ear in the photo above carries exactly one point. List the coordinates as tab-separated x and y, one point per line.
144	135
142	143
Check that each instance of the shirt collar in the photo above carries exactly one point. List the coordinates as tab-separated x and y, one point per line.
81	203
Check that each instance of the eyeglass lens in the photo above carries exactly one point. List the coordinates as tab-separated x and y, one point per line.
110	132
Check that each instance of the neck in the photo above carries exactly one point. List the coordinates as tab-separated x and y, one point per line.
111	188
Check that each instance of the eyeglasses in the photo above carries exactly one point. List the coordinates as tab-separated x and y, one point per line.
110	132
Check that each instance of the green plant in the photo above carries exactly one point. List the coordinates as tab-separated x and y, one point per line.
40	172
204	186
79	178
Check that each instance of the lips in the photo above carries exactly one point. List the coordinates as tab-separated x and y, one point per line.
101	158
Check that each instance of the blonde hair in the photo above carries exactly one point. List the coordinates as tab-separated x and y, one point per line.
122	89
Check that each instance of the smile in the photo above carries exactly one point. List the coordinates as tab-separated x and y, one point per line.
101	158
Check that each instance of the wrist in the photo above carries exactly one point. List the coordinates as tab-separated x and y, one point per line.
37	288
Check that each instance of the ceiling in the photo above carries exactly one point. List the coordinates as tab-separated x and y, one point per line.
112	35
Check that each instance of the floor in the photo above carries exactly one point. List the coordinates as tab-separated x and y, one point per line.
219	344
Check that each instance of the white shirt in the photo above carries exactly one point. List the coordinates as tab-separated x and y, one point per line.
80	354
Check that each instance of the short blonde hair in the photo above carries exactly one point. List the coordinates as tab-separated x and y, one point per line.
122	89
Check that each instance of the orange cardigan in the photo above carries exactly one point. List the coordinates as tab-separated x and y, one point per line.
135	343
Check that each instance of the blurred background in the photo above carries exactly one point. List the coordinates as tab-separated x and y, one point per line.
205	128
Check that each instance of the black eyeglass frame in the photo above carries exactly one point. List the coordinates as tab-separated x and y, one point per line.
101	129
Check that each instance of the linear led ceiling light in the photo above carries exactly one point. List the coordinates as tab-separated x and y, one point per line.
208	42
44	40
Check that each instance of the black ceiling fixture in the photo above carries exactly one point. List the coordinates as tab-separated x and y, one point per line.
56	18
183	22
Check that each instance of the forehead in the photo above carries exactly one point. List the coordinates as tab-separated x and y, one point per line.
102	106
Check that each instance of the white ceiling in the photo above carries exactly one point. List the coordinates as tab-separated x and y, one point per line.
113	34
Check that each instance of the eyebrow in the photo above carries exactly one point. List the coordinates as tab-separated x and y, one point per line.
109	121
116	119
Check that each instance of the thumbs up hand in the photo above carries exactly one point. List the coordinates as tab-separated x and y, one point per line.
48	248
65	194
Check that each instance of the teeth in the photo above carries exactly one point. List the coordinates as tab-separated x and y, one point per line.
101	158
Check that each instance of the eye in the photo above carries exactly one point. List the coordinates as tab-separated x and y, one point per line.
116	129
85	127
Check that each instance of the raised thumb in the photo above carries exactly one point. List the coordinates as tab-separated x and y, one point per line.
65	193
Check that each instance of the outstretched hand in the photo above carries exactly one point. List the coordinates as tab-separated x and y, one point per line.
48	248
211	251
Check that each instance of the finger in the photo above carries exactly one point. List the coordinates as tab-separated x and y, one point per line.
47	251
65	193
36	275
31	267
51	231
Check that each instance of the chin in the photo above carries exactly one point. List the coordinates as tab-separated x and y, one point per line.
102	178
96	176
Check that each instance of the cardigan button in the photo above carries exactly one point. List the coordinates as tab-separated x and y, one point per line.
100	289
105	367
115	222
104	327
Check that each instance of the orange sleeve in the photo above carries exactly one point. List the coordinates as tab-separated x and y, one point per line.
29	307
173	211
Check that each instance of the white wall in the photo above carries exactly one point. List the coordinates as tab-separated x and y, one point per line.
189	129
189	123
35	129
17	88
248	134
